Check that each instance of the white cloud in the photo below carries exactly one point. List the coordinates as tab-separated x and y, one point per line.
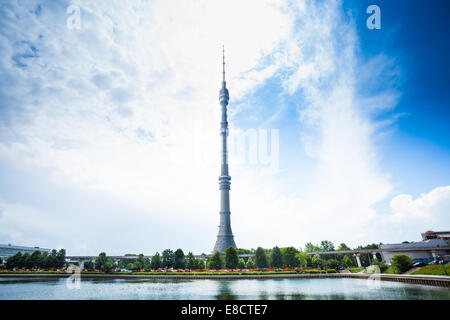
430	209
126	107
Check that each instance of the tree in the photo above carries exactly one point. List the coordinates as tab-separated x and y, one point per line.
231	258
303	258
61	258
179	262
343	247
244	251
1	260
101	262
216	261
201	265
25	261
332	263
401	263
109	265
89	265
241	263
156	261
250	264
142	262
191	262
260	258
309	247
167	259
326	245
381	264
35	260
317	262
12	262
44	260
276	258
52	261
289	257
347	262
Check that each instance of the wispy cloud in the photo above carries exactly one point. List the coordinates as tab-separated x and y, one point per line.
126	109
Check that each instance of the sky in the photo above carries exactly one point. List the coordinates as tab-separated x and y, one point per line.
109	123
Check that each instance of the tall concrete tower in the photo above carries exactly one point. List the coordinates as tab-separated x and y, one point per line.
225	236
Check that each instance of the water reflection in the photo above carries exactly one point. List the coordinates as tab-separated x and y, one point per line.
150	289
225	291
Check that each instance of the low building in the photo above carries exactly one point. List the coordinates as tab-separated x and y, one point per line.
7	250
433	245
436	235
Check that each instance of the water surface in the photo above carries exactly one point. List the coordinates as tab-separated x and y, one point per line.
134	289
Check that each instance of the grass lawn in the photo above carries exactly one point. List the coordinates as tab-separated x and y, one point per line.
390	270
437	270
355	270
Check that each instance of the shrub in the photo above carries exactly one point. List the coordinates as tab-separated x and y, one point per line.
401	263
381	264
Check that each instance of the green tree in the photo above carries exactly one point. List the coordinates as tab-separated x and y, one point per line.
201	265
109	265
260	258
35	260
216	261
142	262
302	258
309	247
168	259
347	262
191	262
276	258
1	260
231	258
241	263
326	245
44	260
89	265
401	263
52	259
179	262
289	257
381	264
61	258
332	263
101	261
250	264
25	261
12	262
343	247
156	261
317	262
244	251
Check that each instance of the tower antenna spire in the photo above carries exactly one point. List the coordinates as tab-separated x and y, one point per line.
223	63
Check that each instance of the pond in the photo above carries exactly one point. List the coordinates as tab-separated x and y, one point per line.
297	289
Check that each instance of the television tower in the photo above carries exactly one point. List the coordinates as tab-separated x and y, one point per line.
225	236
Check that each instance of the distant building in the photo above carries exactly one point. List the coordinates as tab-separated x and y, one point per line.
436	235
7	250
433	244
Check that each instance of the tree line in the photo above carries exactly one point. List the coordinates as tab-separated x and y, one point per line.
288	257
37	260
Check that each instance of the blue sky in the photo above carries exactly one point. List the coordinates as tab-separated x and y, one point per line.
109	132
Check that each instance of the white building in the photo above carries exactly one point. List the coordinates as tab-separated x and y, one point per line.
7	250
433	244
